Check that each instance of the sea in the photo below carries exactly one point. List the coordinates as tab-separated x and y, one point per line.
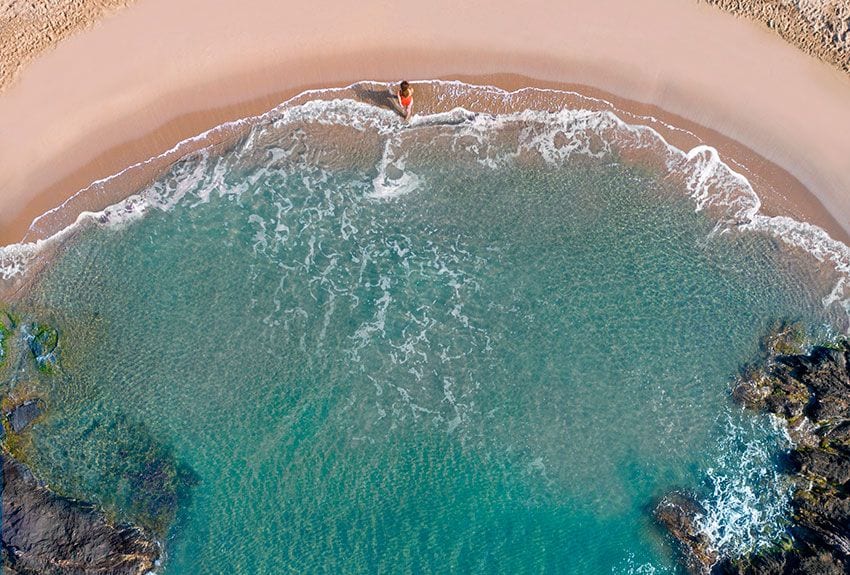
470	343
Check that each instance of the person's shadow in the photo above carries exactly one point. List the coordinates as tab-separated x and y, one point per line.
380	97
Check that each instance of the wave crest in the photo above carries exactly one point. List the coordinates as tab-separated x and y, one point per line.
494	140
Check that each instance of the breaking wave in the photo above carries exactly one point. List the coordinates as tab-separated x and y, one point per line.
493	140
747	505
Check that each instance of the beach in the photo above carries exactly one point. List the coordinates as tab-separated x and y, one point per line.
109	97
586	311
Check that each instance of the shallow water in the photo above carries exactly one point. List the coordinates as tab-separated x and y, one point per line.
379	349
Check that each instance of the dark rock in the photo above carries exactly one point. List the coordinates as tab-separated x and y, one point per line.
820	564
678	513
46	534
752	391
822	520
766	564
832	466
839	434
789	398
824	373
812	393
24	414
791	562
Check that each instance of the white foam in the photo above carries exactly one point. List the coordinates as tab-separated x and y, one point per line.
392	179
631	567
554	136
748	506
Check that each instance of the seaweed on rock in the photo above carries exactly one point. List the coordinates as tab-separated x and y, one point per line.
8	323
4	345
43	341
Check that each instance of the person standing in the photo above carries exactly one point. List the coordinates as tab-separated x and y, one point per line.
405	99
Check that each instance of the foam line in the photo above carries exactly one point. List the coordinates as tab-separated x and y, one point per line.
556	136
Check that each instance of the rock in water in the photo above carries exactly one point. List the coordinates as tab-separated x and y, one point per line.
46	534
811	392
43	340
24	414
679	513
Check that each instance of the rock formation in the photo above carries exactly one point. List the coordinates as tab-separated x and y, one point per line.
46	534
811	392
24	414
678	513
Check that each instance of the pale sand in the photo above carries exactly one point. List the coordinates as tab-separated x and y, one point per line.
165	70
28	28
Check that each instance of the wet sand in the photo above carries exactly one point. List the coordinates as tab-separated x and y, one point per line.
162	71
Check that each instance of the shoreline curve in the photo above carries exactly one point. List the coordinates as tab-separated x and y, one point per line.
697	162
108	98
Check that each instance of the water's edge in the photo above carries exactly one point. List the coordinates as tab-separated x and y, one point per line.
556	134
712	183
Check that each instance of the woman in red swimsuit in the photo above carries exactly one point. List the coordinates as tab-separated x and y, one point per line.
405	99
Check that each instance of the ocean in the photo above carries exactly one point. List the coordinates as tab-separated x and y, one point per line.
474	343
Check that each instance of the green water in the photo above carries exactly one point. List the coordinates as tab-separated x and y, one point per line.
498	371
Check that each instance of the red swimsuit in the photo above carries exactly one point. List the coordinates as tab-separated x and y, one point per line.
405	102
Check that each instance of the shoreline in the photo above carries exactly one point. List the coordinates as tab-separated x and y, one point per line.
88	167
795	200
112	115
493	94
107	197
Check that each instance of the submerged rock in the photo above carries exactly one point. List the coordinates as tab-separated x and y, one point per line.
811	392
46	534
679	513
24	414
135	472
43	342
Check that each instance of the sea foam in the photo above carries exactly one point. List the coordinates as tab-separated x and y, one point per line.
747	505
554	136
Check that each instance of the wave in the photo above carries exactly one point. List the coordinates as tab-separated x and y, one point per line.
747	507
493	139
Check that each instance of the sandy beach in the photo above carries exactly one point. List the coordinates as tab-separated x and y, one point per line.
500	338
110	97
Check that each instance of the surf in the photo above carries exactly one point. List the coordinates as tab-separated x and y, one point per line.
554	137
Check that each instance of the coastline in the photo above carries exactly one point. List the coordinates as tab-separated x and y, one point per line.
67	145
781	193
93	166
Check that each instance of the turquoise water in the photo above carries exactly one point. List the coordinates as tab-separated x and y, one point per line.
328	354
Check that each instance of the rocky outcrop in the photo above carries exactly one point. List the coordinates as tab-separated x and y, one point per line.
46	534
678	513
820	28
21	416
811	392
43	342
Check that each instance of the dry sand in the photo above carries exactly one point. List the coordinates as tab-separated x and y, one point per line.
164	70
28	28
